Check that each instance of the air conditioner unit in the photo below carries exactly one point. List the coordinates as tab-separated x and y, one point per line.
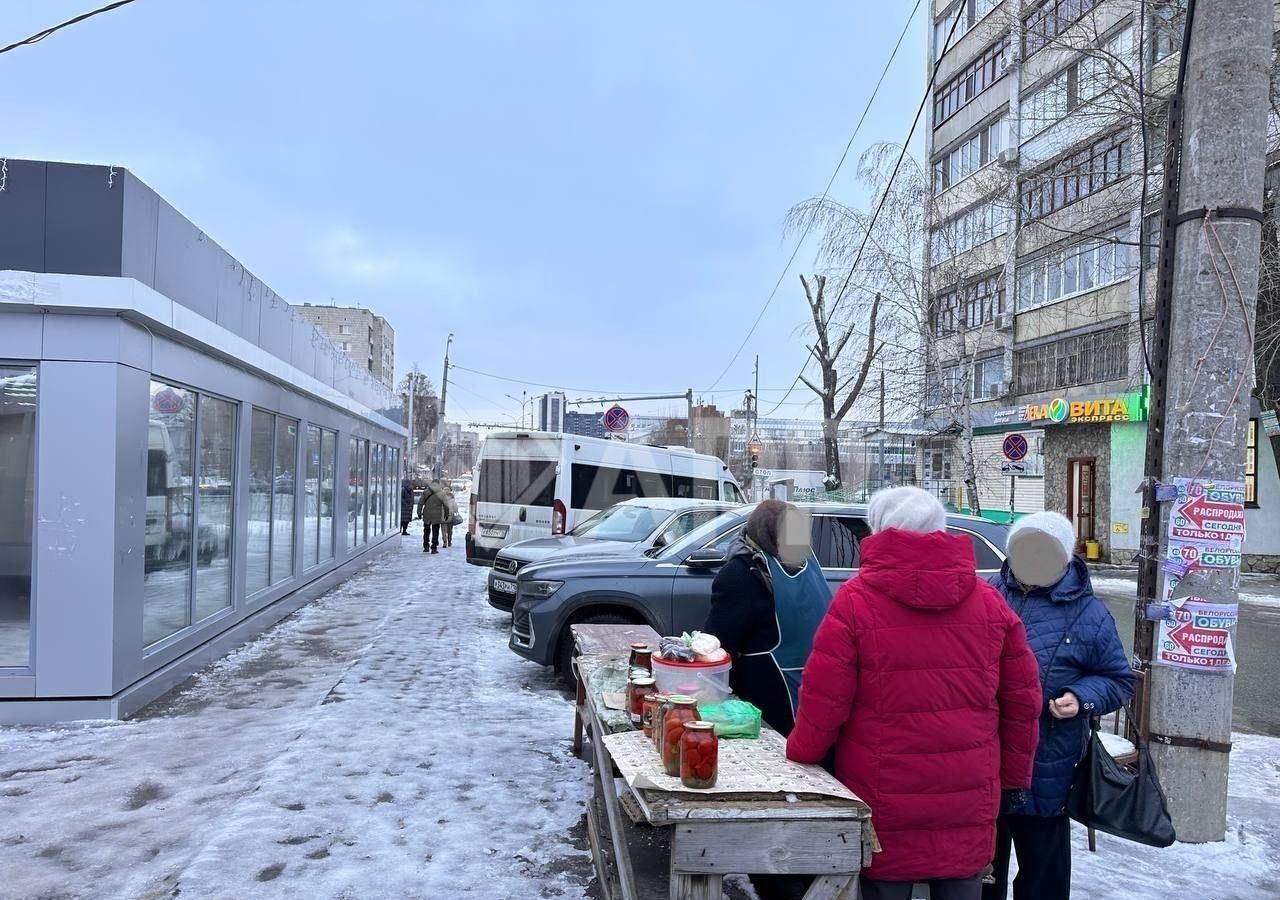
1008	157
1004	321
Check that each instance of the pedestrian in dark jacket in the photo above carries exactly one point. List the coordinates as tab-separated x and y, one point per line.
922	681
766	603
432	508
406	505
1083	672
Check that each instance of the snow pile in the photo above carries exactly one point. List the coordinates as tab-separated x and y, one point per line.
382	742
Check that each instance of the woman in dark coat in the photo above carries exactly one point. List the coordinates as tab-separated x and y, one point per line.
1084	672
406	505
768	640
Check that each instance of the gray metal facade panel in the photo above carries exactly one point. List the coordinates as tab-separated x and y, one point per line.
186	264
22	216
74	596
21	335
84	218
237	312
133	409
141	218
275	327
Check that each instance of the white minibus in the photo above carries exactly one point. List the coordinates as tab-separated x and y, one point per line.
534	484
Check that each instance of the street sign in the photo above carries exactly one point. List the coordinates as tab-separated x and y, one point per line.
1013	468
1014	447
753	446
616	419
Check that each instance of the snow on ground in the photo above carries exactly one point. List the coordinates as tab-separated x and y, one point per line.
381	742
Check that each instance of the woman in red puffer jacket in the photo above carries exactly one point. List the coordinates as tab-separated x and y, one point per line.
922	680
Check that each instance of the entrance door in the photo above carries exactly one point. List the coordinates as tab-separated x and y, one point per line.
1081	485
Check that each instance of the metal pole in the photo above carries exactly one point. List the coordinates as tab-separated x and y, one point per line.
1215	285
413	383
689	420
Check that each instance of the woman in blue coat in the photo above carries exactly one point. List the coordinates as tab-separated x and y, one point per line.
1084	672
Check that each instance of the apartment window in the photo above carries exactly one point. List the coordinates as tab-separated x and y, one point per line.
1167	18
973	306
344	329
17	511
1076	175
190	473
970	155
344	346
1079	83
970	13
1051	20
1081	267
984	379
974	226
1251	465
988	377
1068	362
1151	241
971	81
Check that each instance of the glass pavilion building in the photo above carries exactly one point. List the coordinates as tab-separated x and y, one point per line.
183	459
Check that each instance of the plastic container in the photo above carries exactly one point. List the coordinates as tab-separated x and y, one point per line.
705	682
680	711
699	755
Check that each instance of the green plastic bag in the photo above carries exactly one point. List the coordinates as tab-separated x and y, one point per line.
732	718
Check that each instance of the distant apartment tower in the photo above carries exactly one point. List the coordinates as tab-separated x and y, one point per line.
551	412
364	336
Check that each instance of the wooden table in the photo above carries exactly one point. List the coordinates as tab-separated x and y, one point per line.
709	835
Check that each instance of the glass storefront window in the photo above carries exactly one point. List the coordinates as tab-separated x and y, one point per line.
170	512
258	556
353	493
362	483
17	511
311	509
285	469
375	488
328	462
216	467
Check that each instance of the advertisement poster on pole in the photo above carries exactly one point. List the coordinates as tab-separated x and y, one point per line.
1198	636
1209	515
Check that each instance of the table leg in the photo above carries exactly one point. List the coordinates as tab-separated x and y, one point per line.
580	699
833	887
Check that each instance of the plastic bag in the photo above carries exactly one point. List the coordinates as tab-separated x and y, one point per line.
701	643
732	718
676	649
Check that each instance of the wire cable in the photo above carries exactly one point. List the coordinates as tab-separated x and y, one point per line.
825	192
41	35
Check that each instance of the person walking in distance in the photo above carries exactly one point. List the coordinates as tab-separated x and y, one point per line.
406	505
431	509
450	513
921	680
1083	672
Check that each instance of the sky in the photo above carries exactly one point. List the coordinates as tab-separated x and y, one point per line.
585	194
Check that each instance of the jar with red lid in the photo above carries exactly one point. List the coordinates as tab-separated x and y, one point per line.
680	712
699	755
648	715
637	688
642	657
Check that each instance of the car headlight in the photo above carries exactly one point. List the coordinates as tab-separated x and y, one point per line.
539	590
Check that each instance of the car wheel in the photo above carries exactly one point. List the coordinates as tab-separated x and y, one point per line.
564	652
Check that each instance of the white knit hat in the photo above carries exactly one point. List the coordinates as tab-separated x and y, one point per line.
1040	547
907	508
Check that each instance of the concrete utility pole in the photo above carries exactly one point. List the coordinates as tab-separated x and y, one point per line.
1210	371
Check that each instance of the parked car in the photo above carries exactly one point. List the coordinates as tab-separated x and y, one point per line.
629	528
670	588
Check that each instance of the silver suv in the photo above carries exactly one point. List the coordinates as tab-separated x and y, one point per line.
628	528
669	588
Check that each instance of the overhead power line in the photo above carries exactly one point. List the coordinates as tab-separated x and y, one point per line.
825	191
41	35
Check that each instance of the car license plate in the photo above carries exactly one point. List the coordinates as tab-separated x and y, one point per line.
493	531
502	586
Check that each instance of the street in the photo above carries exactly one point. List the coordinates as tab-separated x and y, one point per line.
1257	637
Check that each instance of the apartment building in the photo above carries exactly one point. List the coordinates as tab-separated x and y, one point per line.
363	335
1036	267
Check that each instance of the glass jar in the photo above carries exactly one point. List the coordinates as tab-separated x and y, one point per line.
637	688
648	708
699	755
659	713
642	657
680	711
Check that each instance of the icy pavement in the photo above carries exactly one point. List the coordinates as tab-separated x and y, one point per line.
381	742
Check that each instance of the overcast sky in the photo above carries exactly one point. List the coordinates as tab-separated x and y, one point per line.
587	194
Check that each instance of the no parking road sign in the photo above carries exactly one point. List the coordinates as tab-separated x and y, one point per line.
1014	447
616	419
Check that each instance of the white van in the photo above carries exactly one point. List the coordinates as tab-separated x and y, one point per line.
535	484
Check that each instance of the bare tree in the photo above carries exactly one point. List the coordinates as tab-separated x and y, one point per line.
426	408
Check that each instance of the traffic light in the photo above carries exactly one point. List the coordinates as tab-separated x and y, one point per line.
754	449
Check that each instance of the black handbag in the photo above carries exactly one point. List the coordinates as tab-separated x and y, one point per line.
1125	801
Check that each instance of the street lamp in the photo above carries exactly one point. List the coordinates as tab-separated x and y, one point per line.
521	402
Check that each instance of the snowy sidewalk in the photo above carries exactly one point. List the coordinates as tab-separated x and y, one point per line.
382	742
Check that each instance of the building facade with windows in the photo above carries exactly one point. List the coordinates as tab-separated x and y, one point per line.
360	333
183	459
1035	279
